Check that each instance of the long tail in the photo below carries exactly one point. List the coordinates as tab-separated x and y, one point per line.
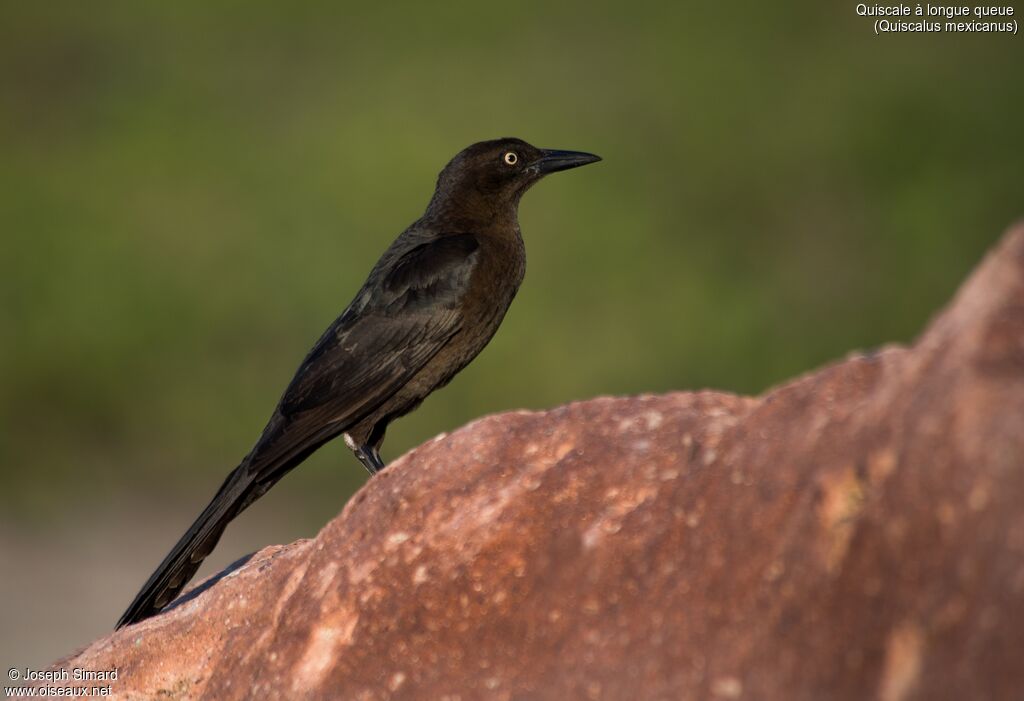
237	492
277	452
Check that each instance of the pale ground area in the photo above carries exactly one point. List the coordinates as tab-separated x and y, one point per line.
63	586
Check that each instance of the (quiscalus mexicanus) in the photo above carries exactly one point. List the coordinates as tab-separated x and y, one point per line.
431	303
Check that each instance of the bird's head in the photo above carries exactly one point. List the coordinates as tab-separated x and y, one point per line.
489	177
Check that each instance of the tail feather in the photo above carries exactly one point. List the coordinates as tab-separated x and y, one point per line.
185	558
275	454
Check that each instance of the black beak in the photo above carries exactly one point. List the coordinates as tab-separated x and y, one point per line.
552	161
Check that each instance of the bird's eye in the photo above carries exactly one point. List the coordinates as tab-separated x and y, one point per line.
511	158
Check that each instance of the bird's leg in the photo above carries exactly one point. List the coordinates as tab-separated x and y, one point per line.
370	458
367	454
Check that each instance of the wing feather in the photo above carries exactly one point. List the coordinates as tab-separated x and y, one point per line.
406	313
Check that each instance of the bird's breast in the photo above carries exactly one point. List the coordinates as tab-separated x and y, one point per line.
495	279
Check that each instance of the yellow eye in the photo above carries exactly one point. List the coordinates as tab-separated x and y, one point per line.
511	158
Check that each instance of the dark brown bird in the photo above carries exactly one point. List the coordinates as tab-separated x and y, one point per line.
430	304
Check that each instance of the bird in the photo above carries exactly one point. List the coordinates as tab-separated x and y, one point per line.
431	303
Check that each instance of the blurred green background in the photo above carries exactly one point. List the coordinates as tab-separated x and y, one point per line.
191	192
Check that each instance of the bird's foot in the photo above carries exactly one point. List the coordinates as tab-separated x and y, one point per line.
370	458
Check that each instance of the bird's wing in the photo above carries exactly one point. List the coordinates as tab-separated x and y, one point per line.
401	319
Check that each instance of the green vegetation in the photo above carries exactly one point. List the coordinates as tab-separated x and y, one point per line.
190	192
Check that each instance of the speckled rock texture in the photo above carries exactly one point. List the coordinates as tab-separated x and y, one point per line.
857	533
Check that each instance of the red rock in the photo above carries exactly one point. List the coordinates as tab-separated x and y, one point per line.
857	533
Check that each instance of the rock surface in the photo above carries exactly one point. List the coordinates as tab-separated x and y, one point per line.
857	533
